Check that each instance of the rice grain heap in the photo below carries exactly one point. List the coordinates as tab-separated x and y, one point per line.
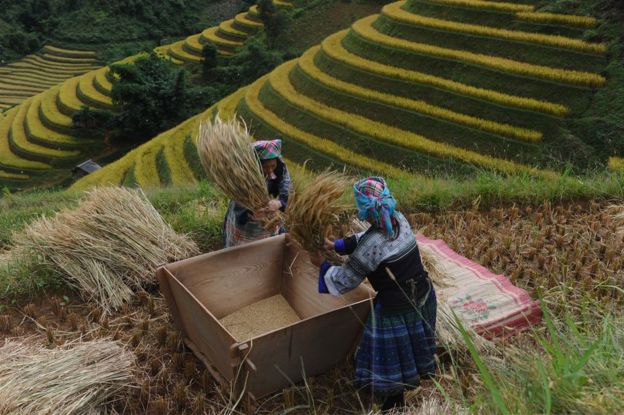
315	210
226	153
107	247
260	317
80	378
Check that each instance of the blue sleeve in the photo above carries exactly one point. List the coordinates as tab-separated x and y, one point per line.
339	247
346	246
322	286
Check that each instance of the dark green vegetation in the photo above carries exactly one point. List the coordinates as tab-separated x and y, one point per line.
314	20
151	95
601	125
117	28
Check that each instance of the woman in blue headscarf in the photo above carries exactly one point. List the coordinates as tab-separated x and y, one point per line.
398	344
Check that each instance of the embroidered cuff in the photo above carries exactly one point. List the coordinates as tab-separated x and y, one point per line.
322	286
339	247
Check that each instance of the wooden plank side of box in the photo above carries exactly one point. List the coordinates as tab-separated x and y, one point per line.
311	347
300	287
202	328
230	279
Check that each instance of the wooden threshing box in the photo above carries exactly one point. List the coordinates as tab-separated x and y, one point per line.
202	290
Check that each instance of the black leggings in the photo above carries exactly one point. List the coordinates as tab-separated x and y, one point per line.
393	401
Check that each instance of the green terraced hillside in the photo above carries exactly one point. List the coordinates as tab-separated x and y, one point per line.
36	73
227	36
437	87
38	144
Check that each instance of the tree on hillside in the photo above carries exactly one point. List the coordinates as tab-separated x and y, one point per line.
153	95
276	22
248	64
266	9
209	59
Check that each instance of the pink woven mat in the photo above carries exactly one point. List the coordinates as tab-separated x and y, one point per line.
488	303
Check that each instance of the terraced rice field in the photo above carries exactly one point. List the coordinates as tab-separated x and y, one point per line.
37	138
436	86
36	73
227	36
431	87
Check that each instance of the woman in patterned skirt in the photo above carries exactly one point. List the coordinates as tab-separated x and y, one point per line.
398	344
242	225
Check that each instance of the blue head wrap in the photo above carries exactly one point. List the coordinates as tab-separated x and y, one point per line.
374	202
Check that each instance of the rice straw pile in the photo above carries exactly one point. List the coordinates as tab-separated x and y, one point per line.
107	247
76	379
316	209
230	162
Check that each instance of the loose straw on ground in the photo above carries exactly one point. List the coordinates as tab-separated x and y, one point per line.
229	160
108	247
80	378
617	213
315	210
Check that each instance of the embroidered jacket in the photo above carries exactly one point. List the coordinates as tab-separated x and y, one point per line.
393	267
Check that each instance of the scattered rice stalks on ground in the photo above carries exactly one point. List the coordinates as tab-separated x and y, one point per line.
428	406
107	247
617	213
231	163
315	210
448	334
81	378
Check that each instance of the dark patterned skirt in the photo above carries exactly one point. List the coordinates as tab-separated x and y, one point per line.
397	349
235	234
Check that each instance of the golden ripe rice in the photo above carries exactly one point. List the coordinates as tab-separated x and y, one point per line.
260	317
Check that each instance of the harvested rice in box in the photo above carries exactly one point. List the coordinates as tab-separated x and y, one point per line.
260	317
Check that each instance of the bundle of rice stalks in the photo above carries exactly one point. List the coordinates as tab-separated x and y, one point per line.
316	209
80	378
107	247
231	163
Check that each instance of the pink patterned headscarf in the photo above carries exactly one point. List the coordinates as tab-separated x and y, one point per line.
268	149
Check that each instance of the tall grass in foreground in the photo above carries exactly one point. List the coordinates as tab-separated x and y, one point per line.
574	368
